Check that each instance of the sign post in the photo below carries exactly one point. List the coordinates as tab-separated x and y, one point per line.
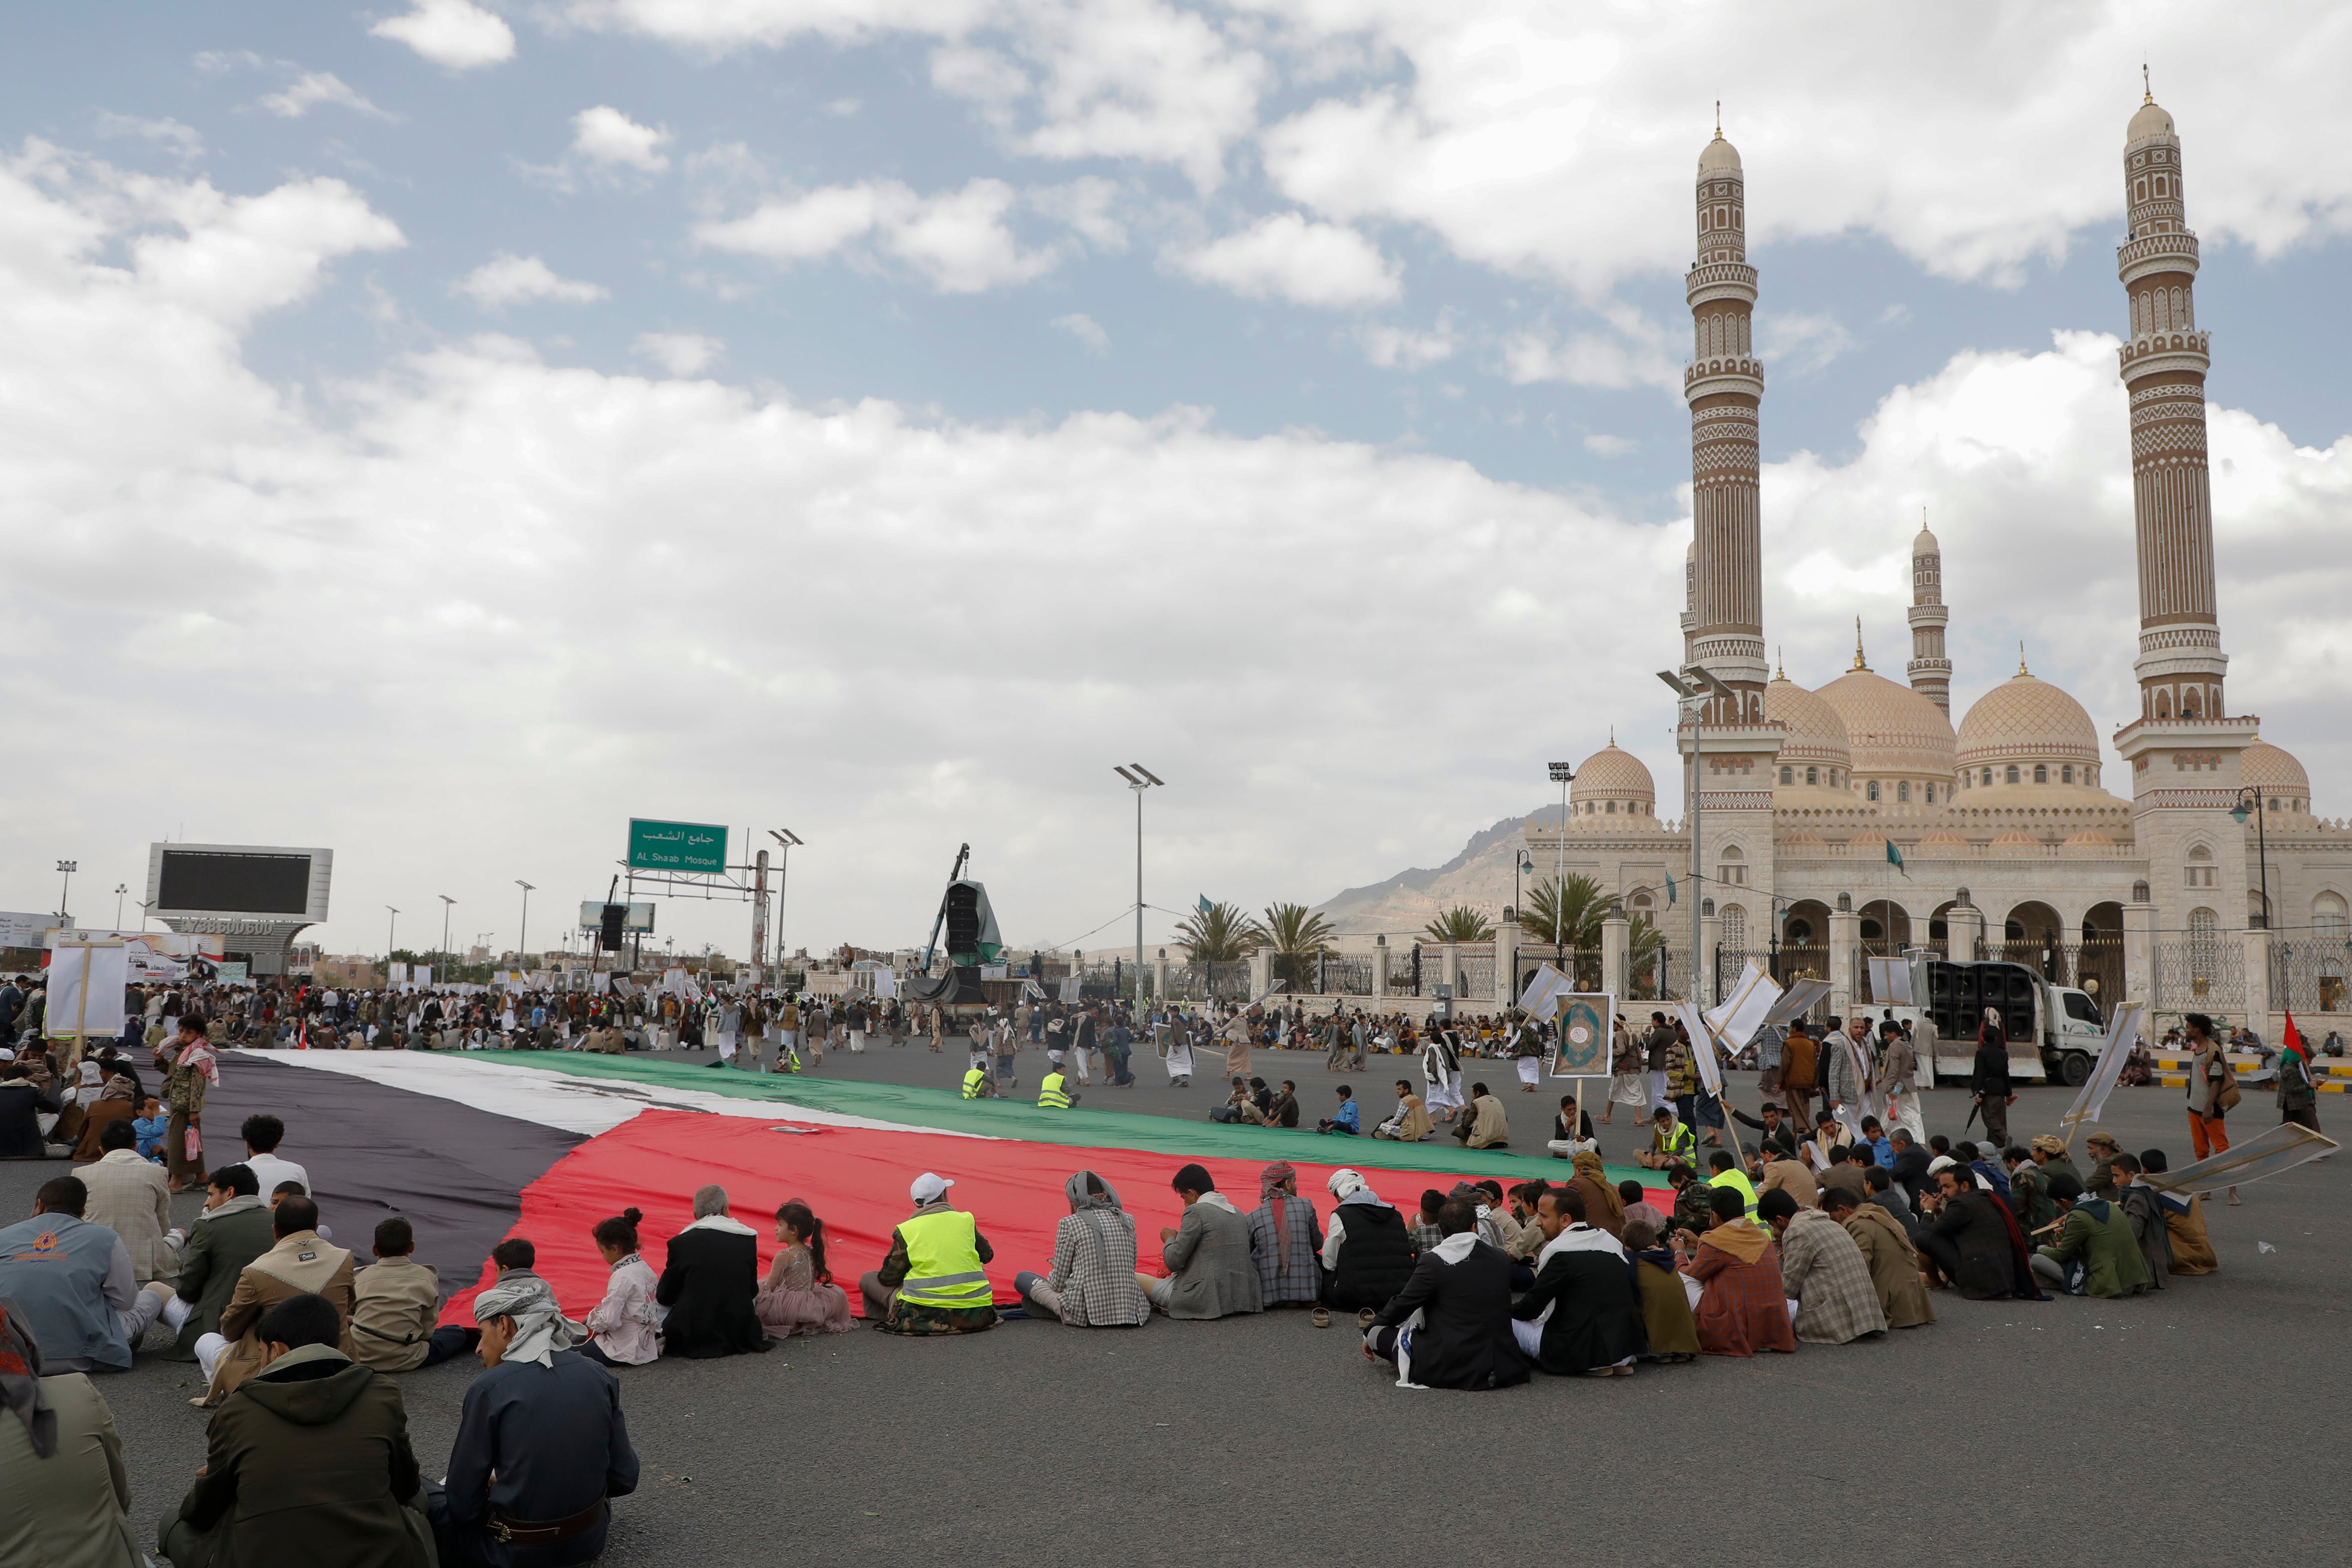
695	848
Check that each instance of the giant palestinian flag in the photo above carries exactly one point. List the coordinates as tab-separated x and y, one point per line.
476	1148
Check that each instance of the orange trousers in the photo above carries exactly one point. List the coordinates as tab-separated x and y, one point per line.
2208	1135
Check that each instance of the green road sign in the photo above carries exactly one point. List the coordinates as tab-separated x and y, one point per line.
693	847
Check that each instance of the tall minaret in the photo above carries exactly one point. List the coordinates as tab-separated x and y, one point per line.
2180	659
1930	670
1724	386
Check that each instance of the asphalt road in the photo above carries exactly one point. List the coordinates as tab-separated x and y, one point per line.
2196	1420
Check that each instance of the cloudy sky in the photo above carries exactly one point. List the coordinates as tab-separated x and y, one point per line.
444	433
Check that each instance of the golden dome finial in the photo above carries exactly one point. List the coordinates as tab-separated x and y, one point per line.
1718	113
2020	658
2147	92
1779	669
1859	662
1612	737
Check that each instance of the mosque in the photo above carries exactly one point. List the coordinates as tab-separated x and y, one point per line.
1855	819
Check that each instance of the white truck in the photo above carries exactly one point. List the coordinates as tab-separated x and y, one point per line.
2055	1032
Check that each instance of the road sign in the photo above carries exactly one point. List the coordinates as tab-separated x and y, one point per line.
694	848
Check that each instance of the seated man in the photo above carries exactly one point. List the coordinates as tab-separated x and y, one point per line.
131	1198
1412	1123
1054	1090
1695	1199
541	1443
1724	1171
231	1230
1207	1254
931	1281
1742	1308
1485	1127
977	1083
1572	1132
1284	1110
262	1134
1670	1141
710	1282
1093	1283
1367	1254
1238	1104
1894	1262
1285	1240
1874	1147
1885	1194
1347	1120
395	1301
1971	1242
307	1461
300	1264
1450	1327
1782	1171
2095	1253
1842	1174
1582	1317
1825	1273
64	1494
73	1282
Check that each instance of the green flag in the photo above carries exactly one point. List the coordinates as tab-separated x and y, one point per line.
1204	903
1670	887
1894	857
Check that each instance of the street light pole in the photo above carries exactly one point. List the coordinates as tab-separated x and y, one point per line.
66	870
1139	780
447	903
2252	796
522	933
121	888
390	926
787	839
1562	774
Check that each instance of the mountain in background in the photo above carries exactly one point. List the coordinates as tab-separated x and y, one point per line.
1479	876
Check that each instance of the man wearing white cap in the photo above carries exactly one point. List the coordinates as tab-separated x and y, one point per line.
931	1281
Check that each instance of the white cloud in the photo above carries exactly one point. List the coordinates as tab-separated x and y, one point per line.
1800	343
1285	257
959	240
507	279
681	353
453	33
536	548
1085	329
608	136
1402	348
312	88
1601	445
1634	353
184	141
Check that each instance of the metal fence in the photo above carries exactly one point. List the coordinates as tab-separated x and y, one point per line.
1475	975
1404	970
2310	977
1730	963
2200	977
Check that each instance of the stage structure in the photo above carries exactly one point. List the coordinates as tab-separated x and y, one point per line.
256	898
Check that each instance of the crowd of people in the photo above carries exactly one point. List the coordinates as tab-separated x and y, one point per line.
1832	1226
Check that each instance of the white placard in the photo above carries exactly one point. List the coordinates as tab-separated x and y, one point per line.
85	986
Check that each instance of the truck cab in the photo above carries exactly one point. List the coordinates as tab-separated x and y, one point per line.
2055	1032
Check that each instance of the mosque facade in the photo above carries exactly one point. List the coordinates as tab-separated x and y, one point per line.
1856	819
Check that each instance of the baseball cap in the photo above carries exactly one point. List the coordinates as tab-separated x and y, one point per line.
929	1188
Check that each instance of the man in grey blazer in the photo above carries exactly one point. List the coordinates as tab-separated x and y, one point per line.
1210	1274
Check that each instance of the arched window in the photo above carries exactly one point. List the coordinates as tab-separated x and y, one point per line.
1706	907
2009	777
1638	901
1812	775
2204	925
1870	790
2066	774
2200	871
1733	930
1787	776
1902	790
2164	704
2189	703
2140	892
1988	775
2328	919
2041	773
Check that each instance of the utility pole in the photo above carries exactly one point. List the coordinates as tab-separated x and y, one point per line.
522	933
390	926
447	903
759	916
1139	780
787	839
121	888
66	870
1696	687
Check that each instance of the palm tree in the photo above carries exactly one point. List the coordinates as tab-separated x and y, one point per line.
1642	941
1296	936
1221	934
1460	924
1566	913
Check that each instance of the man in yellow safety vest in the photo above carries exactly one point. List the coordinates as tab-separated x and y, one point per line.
932	1280
1054	1094
978	1085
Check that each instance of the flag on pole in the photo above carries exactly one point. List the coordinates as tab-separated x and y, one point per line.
1894	857
1204	903
1670	887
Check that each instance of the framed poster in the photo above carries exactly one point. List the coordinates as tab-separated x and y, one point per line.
1580	1048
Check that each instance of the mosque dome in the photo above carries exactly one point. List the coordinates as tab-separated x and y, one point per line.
2151	120
1926	543
1816	733
2016	839
1720	157
1803	841
2284	786
2085	842
1943	839
1609	785
1892	730
2027	719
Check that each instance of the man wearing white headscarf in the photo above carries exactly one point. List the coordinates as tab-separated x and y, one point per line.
1093	1282
541	1443
1367	1252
